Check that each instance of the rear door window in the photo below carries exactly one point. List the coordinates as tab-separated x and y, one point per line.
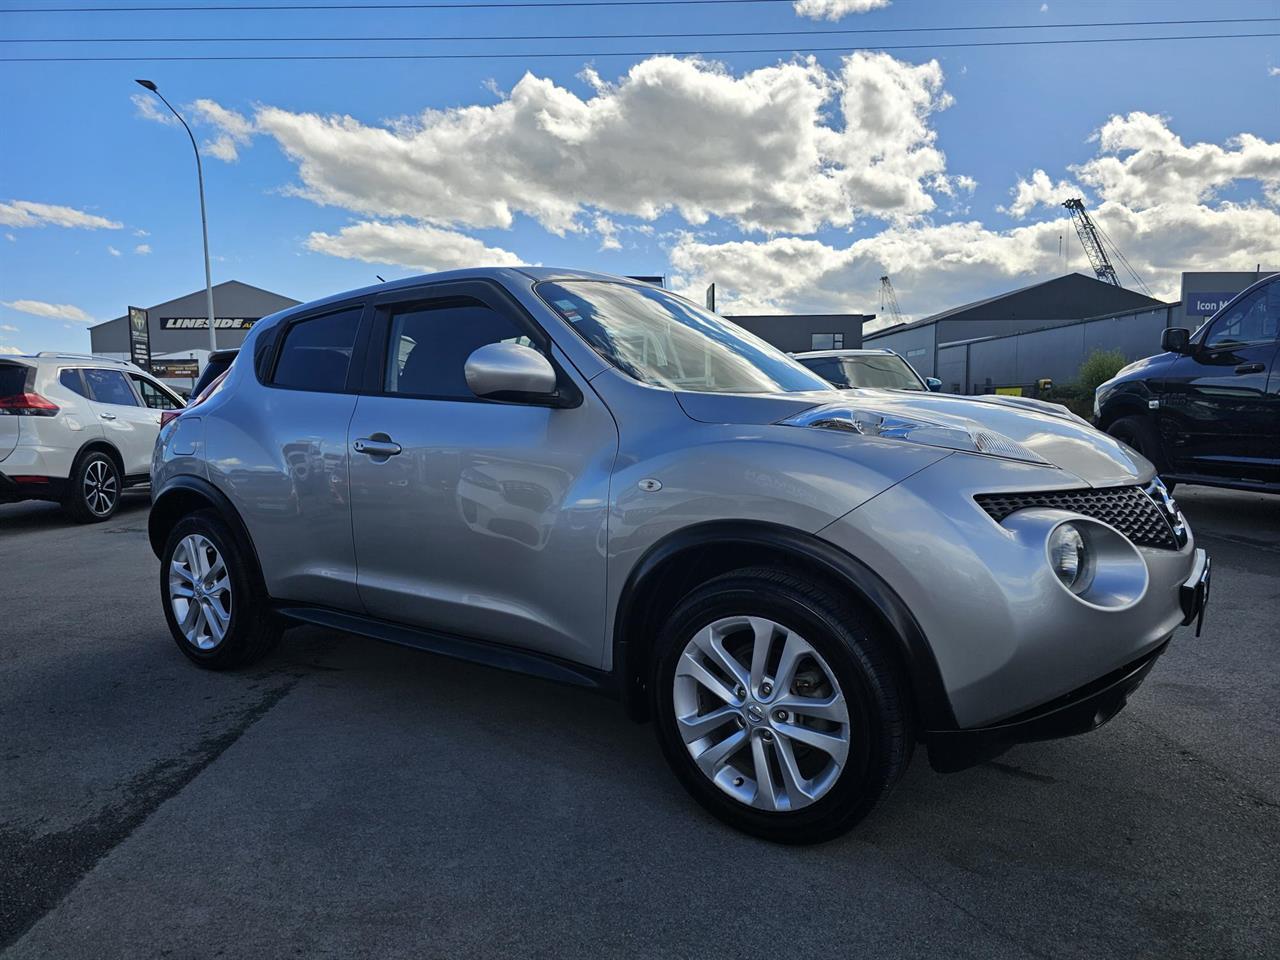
110	386
316	353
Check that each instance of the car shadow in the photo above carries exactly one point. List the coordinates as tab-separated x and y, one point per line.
40	515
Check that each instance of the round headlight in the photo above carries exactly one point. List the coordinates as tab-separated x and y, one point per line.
1069	556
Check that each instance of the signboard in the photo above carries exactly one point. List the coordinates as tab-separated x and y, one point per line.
1206	304
711	298
1009	391
176	369
202	323
139	338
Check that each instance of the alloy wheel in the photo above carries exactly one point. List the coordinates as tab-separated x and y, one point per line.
200	591
100	488
761	713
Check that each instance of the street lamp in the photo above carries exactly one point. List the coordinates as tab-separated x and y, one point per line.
204	223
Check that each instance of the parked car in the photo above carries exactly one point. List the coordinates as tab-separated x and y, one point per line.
214	367
1207	410
593	480
77	430
866	368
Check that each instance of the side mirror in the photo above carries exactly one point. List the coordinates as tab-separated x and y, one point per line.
1176	340
512	372
933	383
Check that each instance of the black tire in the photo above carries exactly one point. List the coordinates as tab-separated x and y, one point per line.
1140	434
880	729
95	486
252	630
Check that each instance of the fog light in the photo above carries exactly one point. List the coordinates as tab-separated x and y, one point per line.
1069	557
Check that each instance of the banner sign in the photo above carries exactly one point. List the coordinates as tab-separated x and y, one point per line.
1206	304
202	323
176	369
139	338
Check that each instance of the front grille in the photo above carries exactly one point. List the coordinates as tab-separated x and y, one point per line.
1128	509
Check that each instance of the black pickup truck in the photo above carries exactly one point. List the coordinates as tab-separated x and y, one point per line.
1207	410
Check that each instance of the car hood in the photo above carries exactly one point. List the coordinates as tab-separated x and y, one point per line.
1049	431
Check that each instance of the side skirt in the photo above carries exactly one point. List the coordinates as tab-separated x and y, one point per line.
460	648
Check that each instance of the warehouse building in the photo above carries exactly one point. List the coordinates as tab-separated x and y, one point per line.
798	332
178	329
1063	300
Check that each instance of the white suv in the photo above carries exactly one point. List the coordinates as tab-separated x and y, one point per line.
77	430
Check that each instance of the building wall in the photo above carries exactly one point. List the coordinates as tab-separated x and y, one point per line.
794	332
231	300
1203	292
981	366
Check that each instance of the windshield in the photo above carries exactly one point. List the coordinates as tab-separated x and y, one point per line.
666	341
884	370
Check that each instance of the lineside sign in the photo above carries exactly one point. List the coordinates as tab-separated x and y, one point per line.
202	323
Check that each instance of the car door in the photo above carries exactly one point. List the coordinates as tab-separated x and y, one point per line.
155	396
1220	416
129	425
488	521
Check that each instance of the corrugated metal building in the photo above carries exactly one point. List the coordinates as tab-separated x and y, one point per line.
1062	301
797	332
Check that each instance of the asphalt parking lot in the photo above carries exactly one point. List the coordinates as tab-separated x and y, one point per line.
348	798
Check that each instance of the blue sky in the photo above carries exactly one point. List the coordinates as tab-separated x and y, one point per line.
792	180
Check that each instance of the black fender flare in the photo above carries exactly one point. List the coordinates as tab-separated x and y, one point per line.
174	500
631	656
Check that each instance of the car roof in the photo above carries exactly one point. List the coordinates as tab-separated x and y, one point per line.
869	352
470	273
71	359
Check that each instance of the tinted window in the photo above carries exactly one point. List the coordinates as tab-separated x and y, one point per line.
429	347
316	353
110	386
1252	320
153	396
13	379
71	380
666	341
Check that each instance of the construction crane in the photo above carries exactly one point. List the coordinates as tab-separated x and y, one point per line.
1092	242
889	300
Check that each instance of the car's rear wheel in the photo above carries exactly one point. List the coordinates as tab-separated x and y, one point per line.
778	706
95	487
217	614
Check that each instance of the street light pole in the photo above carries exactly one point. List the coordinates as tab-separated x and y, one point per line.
204	222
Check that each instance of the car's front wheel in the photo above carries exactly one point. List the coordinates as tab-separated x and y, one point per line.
217	614
778	706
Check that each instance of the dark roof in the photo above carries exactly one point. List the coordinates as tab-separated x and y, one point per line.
195	293
1072	296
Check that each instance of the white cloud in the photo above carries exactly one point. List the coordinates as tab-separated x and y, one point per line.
1036	192
410	245
113	251
1273	72
935	267
1142	163
28	213
141	233
10	351
608	231
835	9
1044	8
11	238
53	311
8	328
142	250
761	149
234	129
149	109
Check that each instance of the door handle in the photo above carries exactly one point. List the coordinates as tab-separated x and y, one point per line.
1251	368
376	446
107	416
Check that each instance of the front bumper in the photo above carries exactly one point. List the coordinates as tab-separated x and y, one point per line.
1077	712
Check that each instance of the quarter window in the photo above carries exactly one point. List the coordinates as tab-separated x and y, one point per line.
316	353
71	380
110	386
429	347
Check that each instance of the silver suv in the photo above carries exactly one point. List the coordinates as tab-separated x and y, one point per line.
594	481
